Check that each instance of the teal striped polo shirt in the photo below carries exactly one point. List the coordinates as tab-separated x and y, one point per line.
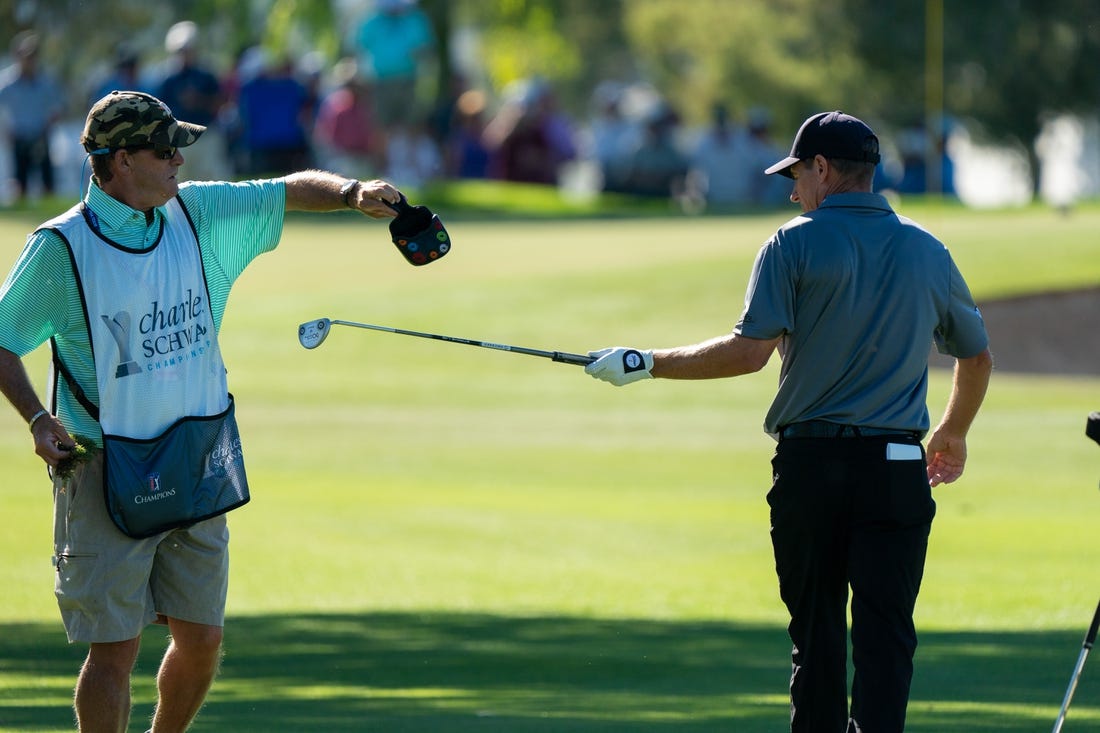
39	300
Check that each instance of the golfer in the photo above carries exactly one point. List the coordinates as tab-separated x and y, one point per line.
853	296
130	286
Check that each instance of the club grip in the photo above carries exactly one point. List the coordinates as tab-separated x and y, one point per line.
1090	636
567	358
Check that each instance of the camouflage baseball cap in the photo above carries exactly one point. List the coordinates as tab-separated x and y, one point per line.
126	119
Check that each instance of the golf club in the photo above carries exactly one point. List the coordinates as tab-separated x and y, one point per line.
312	334
1090	639
1092	430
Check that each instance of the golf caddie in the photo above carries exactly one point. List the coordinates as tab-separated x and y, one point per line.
853	296
129	287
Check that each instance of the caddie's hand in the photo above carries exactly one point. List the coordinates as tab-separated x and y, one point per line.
373	198
51	440
620	365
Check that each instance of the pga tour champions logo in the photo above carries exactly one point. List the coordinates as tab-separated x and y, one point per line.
154	492
166	335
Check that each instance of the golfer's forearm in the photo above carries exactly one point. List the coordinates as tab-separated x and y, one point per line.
16	385
968	390
724	356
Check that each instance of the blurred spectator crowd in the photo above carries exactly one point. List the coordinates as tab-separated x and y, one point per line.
366	115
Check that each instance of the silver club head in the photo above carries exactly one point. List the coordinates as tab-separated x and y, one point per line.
312	333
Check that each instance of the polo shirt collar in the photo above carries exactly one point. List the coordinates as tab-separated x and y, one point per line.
856	199
121	223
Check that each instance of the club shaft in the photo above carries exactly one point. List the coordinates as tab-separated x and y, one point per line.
560	356
1070	690
1086	647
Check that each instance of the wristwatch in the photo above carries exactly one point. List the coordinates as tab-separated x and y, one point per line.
352	184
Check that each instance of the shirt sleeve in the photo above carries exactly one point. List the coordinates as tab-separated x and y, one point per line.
769	297
236	222
961	333
35	298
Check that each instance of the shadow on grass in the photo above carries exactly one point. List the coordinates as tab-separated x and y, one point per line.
448	672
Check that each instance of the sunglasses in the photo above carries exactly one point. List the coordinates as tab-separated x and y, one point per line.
159	151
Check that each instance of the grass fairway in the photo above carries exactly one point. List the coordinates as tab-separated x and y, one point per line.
444	538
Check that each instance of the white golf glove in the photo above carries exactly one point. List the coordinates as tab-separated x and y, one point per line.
620	365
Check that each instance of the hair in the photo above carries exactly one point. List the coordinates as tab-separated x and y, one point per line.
857	171
101	167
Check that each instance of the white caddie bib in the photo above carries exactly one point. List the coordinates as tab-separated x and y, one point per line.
172	451
152	331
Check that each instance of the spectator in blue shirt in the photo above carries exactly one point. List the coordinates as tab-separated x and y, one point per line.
30	100
392	43
194	93
276	113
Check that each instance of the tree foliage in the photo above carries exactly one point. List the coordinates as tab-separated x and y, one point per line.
790	56
571	43
1006	63
81	38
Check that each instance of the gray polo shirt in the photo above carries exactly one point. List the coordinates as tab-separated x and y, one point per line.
859	295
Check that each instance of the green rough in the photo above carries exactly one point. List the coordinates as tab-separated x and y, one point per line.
84	450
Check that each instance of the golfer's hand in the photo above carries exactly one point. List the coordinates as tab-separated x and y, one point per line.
946	458
620	365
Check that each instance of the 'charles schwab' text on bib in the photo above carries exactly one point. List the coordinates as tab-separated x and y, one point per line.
174	334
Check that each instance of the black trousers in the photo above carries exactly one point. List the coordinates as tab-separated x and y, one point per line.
843	516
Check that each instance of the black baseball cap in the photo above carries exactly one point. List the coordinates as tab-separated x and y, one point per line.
833	135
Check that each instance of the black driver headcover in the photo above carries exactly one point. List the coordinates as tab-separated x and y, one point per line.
418	233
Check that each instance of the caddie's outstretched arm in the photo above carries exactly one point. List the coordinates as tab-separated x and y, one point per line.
48	432
315	190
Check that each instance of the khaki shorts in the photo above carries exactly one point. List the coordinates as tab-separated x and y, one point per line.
109	586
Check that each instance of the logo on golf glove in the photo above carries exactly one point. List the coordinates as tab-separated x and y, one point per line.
632	361
620	365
